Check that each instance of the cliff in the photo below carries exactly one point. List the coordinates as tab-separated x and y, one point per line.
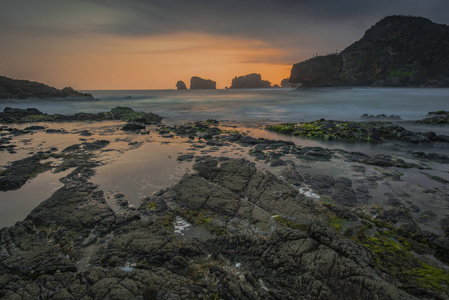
197	83
24	89
317	71
250	81
396	51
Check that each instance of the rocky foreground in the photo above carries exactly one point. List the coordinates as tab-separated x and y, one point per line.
283	222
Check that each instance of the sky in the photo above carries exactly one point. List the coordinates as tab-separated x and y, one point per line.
151	44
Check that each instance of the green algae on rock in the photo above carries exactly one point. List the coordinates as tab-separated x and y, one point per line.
371	132
16	115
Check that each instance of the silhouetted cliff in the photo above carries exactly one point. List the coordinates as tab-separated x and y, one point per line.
24	89
396	51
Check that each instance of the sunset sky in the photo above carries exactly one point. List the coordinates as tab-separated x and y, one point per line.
151	44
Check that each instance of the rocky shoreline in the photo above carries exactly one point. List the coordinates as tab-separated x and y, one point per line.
254	218
366	131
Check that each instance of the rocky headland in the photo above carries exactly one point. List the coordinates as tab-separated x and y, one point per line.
24	89
197	83
254	218
396	51
250	81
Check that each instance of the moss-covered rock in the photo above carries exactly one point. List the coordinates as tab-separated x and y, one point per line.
11	115
371	132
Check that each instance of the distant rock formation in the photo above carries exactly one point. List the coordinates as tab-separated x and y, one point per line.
180	85
24	89
197	83
396	51
285	83
250	81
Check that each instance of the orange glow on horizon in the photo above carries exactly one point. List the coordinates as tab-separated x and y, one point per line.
89	63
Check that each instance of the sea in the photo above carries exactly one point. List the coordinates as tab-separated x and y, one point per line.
258	105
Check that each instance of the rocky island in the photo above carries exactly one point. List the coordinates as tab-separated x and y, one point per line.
180	85
396	51
197	83
24	89
250	81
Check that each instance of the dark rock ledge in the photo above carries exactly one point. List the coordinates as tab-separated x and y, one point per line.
265	241
17	115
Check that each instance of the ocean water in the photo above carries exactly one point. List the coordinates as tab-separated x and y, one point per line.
258	105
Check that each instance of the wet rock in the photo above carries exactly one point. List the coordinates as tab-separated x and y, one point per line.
432	157
407	228
265	241
247	140
381	117
19	172
28	254
85	133
371	132
277	163
435	120
427	217
387	161
395	202
61	131
133	127
315	154
10	115
445	226
185	157
95	145
35	128
291	175
394	215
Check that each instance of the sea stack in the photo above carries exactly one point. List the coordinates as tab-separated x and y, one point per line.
197	83
250	81
180	85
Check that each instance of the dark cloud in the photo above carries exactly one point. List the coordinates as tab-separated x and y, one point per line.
320	26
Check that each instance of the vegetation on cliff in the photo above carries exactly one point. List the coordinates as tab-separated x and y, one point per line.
396	51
